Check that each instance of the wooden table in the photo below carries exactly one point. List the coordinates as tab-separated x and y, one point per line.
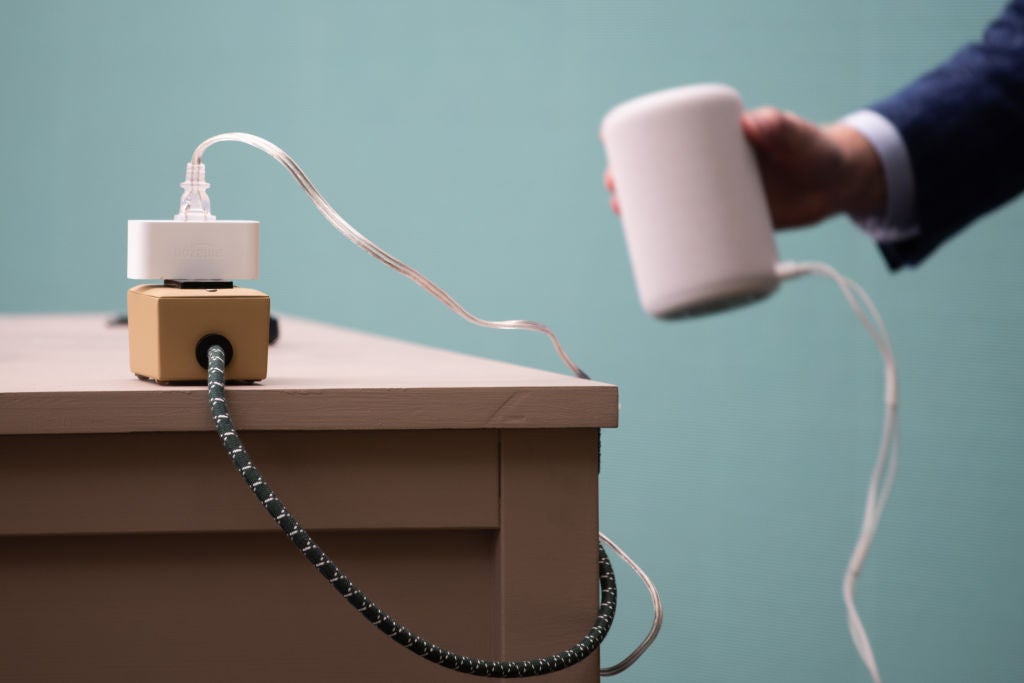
459	493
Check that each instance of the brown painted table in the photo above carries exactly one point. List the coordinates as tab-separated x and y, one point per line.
459	493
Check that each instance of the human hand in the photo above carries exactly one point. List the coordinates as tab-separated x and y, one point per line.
609	184
809	171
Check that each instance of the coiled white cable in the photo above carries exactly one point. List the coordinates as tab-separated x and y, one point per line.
884	470
196	205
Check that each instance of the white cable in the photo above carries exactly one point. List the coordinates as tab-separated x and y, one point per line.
195	205
640	649
194	175
884	470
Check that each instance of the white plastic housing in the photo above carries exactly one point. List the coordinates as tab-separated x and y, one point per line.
193	250
693	207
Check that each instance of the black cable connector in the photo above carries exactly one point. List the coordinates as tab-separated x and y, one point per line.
207	344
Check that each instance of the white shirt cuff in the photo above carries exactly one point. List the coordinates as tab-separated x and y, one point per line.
899	220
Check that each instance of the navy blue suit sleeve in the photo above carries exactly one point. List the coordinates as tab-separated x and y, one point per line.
963	124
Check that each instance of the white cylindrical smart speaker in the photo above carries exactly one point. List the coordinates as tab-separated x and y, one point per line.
694	212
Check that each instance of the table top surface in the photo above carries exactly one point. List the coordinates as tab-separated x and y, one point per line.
69	374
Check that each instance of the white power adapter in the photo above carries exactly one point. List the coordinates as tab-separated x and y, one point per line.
193	250
195	245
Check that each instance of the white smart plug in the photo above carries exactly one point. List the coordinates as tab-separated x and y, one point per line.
193	250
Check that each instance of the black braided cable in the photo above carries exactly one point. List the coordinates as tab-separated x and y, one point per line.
374	614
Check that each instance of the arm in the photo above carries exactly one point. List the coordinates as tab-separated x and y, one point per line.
960	131
963	125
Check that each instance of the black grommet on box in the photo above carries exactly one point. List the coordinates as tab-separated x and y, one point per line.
203	349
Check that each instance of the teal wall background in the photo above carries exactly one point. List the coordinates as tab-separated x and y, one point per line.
462	135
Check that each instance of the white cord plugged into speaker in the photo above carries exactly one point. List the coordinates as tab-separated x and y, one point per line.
884	470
